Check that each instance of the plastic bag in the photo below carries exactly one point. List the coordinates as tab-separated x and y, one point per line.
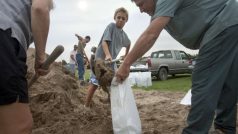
144	80
125	116
187	98
141	79
132	78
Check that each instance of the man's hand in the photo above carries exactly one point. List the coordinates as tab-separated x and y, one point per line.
39	71
108	58
122	73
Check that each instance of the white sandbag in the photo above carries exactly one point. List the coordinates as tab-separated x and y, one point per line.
125	116
187	98
144	79
132	78
147	76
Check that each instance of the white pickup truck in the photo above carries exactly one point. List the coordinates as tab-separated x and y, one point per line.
164	62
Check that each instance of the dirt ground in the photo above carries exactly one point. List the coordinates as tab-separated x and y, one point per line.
56	101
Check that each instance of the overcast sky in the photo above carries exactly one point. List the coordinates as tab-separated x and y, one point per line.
90	17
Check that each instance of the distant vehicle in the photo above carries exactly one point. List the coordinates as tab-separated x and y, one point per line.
169	62
139	68
140	65
193	64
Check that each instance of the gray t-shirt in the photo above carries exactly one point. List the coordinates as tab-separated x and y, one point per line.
116	39
196	22
16	14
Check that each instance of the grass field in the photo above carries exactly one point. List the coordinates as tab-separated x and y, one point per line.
86	75
178	83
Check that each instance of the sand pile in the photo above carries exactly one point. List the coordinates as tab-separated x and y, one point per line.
56	101
160	112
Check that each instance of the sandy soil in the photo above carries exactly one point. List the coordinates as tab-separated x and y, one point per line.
56	101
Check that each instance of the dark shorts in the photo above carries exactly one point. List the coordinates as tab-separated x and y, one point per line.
13	69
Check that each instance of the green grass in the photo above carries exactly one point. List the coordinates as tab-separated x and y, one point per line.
86	74
177	83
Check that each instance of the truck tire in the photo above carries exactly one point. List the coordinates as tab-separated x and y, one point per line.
163	74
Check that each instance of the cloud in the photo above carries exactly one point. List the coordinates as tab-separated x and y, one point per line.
67	19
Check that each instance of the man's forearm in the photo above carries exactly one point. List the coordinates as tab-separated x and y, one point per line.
147	39
142	45
72	57
40	20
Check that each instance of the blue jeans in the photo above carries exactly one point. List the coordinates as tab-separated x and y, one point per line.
81	69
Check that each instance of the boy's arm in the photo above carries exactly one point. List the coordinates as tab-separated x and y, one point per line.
40	21
127	50
72	57
80	38
106	51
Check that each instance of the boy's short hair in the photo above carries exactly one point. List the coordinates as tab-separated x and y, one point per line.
121	9
87	37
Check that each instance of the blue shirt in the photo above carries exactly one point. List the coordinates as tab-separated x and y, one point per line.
195	22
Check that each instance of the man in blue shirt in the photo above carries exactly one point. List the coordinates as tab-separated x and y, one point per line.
210	26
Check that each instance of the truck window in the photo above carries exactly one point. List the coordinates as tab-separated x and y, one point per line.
177	55
161	55
168	54
154	55
184	55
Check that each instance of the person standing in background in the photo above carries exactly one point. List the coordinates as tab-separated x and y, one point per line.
72	60
80	57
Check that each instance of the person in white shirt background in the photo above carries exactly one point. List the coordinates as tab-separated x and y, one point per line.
72	60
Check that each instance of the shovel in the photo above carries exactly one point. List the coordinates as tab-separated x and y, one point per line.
53	56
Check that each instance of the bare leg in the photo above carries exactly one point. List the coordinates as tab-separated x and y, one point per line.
15	118
91	90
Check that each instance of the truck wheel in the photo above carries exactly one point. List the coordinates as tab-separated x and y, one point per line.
163	74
